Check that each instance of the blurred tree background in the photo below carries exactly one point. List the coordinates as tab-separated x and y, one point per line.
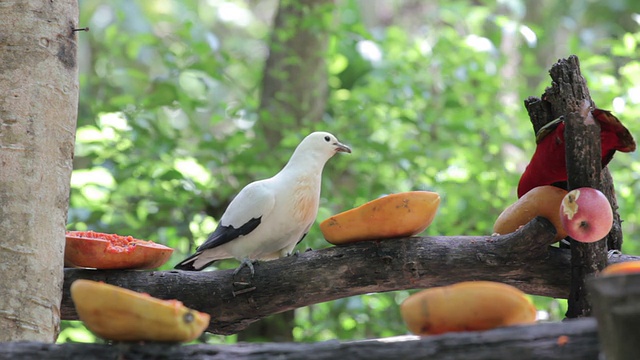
182	103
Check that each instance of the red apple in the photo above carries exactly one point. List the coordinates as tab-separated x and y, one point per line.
586	214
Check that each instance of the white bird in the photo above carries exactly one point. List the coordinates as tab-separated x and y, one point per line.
269	217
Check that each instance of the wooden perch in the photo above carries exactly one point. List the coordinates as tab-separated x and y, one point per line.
575	339
522	259
569	97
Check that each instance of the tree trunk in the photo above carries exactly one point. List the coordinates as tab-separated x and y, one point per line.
569	97
38	109
295	84
294	91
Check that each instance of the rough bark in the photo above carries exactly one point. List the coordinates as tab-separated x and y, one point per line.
582	135
575	339
614	239
551	105
569	97
616	305
39	87
294	86
522	259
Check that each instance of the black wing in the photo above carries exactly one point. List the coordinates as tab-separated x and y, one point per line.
224	234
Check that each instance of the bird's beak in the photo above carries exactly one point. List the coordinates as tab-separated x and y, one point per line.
342	147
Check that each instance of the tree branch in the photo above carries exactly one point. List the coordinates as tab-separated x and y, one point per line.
575	339
522	259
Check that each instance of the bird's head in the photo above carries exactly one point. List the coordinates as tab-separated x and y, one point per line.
320	146
325	142
314	151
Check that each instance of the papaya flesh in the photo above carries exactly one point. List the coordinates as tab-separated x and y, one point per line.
540	201
466	306
627	267
110	251
119	314
391	216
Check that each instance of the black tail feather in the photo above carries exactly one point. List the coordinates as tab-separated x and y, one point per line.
187	264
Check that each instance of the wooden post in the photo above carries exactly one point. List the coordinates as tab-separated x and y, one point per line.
569	97
616	305
582	135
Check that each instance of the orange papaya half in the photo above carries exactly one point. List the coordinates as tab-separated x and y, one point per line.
109	251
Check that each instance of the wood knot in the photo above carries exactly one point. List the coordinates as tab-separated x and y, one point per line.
489	259
411	268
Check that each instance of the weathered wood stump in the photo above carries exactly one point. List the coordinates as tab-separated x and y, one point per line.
616	305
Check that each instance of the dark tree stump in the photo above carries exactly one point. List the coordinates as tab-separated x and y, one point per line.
549	107
569	97
616	305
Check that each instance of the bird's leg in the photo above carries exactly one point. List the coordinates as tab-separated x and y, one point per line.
247	285
245	262
297	252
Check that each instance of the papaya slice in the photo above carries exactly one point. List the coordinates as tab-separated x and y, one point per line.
119	314
466	306
627	267
109	251
391	216
541	201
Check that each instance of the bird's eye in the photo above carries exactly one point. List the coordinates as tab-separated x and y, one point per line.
327	139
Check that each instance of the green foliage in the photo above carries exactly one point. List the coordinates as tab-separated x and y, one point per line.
429	98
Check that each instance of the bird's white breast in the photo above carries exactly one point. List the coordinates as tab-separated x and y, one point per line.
306	194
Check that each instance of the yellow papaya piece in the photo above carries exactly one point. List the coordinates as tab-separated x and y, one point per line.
391	216
627	267
119	314
540	201
466	306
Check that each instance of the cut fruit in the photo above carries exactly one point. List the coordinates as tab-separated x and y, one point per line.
109	251
466	306
119	314
391	216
